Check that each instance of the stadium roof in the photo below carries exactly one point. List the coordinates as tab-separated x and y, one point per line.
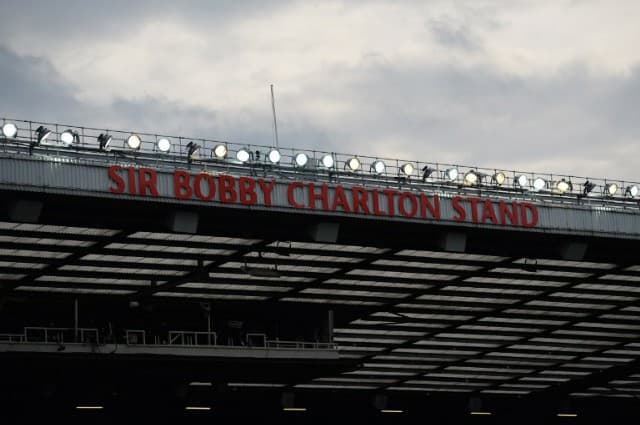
511	314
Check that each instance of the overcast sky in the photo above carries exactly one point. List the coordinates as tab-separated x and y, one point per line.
548	86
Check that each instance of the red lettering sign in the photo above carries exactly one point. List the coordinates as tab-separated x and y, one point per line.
117	179
312	196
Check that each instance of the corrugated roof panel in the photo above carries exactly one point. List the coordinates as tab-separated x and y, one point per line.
73	290
208	296
235	287
454	255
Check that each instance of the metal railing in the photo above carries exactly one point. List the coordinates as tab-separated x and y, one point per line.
61	335
192	338
135	336
425	176
14	338
301	345
54	335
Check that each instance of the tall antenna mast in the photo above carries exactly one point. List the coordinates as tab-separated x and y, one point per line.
275	123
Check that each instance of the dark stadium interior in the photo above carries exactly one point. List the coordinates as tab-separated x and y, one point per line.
140	387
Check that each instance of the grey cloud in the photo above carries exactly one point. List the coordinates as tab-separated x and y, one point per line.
571	123
32	89
451	34
31	86
91	19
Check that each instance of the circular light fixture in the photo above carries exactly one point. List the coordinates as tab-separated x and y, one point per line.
274	156
378	167
632	190
301	159
9	130
563	186
220	151
539	183
611	189
471	178
522	180
134	141
327	161
68	137
243	155
499	178
163	144
354	164
407	169
451	174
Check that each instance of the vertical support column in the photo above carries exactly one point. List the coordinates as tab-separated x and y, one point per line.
75	320
209	324
330	326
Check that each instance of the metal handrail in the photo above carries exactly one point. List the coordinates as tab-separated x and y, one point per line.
51	335
132	336
55	335
301	345
12	338
192	338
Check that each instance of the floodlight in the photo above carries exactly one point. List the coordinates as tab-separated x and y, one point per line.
163	144
611	189
134	141
104	140
68	137
198	408
274	156
471	178
632	191
426	172
354	164
192	149
499	178
10	130
41	134
220	151
451	174
539	183
301	159
588	187
378	167
243	155
327	161
522	180
563	186
407	169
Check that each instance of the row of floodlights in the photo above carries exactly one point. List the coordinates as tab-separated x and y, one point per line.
470	178
69	137
301	160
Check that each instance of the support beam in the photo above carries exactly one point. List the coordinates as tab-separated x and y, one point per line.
201	273
74	256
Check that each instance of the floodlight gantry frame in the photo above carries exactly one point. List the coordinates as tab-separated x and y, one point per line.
175	152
